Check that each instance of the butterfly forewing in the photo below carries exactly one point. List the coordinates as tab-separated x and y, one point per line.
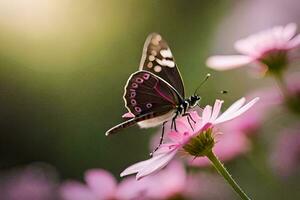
158	59
146	92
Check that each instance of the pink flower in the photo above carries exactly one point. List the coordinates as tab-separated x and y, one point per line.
185	135
268	49
250	122
173	182
35	182
101	185
286	152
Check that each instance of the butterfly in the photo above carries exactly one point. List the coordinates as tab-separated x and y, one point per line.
155	93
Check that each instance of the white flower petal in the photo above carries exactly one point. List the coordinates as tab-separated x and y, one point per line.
159	163
206	114
227	62
138	166
234	107
216	110
151	165
289	31
295	42
238	112
245	46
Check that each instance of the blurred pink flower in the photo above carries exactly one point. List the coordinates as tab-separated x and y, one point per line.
173	182
184	134
267	48
250	122
32	183
286	153
101	185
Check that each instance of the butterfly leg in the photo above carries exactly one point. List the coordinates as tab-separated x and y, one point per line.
189	118
173	124
161	138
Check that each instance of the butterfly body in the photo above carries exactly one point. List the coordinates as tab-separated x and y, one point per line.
155	93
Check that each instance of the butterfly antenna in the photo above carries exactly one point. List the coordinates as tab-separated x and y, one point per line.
206	78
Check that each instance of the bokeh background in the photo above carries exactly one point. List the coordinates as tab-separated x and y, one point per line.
63	66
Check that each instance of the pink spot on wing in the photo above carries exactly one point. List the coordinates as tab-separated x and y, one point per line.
128	115
149	105
132	94
134	85
137	109
139	80
146	76
133	102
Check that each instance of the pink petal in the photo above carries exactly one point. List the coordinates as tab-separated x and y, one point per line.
101	182
165	148
176	136
172	181
128	115
216	110
76	191
246	46
238	112
195	115
182	124
206	114
130	189
289	31
206	126
228	62
295	42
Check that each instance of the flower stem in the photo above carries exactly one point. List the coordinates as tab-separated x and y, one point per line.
282	85
222	171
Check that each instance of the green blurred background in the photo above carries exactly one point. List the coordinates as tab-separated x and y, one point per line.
63	66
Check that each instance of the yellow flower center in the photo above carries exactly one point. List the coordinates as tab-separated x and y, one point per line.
201	144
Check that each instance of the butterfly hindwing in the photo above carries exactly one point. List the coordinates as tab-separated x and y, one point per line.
146	92
133	121
158	59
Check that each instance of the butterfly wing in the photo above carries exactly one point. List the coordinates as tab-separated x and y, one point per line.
134	120
150	99
146	92
158	59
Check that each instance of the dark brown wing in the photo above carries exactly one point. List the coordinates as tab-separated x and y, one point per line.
146	93
158	59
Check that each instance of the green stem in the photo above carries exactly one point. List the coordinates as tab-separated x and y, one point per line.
282	85
222	171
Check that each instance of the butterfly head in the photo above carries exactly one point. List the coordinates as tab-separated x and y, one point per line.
194	100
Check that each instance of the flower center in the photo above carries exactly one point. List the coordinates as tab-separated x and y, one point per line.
276	60
201	144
